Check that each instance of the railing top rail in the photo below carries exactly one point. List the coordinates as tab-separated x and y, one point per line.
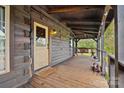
85	48
112	56
102	50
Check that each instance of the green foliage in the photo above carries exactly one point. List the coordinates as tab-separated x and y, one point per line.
107	76
109	38
86	43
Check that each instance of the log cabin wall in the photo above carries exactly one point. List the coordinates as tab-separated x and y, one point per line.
20	49
21	43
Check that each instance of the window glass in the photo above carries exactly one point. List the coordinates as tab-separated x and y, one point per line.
40	36
2	38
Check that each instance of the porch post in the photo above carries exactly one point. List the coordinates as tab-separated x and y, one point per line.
76	46
73	46
98	49
76	42
116	45
102	28
102	48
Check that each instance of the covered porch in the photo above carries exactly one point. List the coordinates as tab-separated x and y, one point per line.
44	41
73	73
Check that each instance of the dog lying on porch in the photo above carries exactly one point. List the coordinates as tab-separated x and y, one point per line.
95	67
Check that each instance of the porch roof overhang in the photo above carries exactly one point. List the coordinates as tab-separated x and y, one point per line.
83	20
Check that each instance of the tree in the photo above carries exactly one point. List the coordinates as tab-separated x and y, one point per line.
86	43
109	39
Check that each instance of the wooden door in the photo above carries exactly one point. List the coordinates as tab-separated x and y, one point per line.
40	46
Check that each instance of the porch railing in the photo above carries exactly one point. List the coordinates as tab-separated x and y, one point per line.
109	65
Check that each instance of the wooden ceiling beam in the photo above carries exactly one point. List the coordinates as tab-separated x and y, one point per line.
95	30
80	25
72	9
84	34
70	19
85	37
84	22
84	28
90	32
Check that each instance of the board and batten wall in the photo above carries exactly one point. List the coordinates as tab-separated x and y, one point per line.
20	52
21	44
60	50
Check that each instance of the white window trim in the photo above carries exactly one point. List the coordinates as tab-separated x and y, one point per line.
7	43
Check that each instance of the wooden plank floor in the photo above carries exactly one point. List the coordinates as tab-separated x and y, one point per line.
74	73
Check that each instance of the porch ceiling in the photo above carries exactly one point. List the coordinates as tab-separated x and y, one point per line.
83	20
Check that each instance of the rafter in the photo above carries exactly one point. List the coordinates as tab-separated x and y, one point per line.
80	19
80	25
84	34
85	28
83	22
85	37
91	32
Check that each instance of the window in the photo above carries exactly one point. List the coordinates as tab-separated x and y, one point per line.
4	39
40	36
